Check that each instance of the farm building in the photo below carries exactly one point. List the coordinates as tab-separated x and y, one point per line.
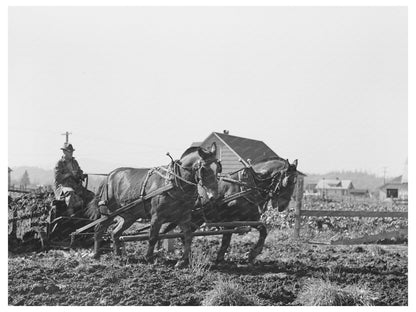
397	188
233	151
360	193
334	187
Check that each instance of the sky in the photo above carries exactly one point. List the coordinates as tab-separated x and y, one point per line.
325	85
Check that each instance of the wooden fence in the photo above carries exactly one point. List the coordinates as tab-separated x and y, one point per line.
335	213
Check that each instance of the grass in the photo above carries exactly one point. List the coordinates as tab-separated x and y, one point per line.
318	292
200	262
229	293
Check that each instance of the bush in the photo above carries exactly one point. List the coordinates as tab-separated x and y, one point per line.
228	293
324	293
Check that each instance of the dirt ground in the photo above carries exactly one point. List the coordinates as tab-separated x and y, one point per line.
73	277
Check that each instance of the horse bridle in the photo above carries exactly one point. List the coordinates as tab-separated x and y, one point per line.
195	170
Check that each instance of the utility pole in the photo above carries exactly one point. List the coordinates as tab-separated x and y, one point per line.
384	175
66	134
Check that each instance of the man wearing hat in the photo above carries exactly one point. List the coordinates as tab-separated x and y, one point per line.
68	180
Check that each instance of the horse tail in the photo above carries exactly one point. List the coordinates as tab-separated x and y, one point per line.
92	210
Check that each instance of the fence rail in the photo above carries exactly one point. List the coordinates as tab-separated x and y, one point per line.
336	213
352	213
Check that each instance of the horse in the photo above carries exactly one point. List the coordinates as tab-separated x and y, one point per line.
193	176
270	180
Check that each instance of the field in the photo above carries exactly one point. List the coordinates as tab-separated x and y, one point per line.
283	274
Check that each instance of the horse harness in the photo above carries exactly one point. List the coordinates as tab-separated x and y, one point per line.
248	181
172	176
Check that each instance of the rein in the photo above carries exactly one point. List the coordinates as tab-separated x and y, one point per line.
266	193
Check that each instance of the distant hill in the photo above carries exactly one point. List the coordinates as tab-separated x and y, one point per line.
360	179
37	176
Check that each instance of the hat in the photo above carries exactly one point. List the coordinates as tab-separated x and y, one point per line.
68	147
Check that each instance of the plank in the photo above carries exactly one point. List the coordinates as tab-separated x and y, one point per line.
135	238
352	213
234	223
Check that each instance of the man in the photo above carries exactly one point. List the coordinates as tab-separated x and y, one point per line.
68	181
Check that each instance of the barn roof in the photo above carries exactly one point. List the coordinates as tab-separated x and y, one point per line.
246	148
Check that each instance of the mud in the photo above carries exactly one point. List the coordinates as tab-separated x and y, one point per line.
75	278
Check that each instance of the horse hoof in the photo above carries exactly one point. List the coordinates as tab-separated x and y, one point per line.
149	260
181	264
96	256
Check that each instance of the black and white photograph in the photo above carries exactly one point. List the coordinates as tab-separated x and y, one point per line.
207	154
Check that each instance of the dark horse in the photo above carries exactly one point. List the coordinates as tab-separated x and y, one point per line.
273	180
193	176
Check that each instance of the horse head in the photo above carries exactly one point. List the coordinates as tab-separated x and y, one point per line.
285	186
279	178
205	170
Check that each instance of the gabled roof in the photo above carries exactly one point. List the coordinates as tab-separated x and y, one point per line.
246	148
334	184
396	180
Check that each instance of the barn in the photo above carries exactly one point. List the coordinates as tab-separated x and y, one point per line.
235	152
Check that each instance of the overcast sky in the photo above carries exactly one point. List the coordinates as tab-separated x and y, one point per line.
327	86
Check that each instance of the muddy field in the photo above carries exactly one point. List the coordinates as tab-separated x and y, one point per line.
59	277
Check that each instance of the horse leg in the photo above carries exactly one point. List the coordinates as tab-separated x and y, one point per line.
98	237
225	243
260	243
155	226
116	233
187	241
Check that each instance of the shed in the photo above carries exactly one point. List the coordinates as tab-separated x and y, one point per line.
397	188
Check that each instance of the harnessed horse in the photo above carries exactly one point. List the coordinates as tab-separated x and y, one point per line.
187	179
244	196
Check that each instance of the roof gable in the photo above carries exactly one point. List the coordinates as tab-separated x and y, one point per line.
247	148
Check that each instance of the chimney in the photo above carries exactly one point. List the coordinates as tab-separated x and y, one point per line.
226	132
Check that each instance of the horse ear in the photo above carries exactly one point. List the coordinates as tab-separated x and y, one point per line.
214	148
295	163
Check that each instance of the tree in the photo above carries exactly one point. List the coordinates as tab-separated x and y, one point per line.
25	181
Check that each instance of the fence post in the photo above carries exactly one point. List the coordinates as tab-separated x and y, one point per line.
168	244
298	207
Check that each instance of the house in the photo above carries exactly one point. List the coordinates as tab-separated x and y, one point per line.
236	152
360	193
334	187
397	188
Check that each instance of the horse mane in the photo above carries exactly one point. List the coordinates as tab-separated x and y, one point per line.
269	158
189	151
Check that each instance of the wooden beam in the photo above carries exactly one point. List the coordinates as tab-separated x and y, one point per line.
233	224
352	213
134	238
298	207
